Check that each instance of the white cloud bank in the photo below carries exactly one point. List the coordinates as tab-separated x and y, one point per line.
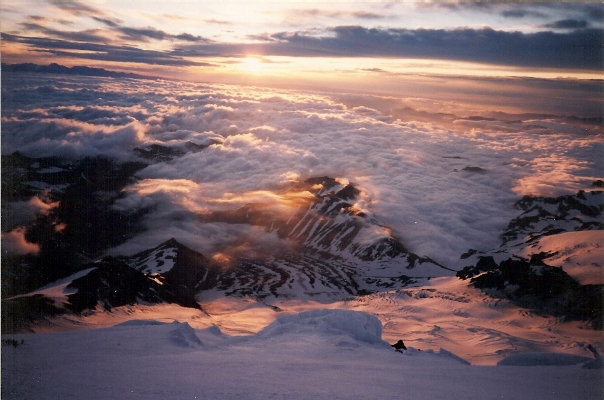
442	187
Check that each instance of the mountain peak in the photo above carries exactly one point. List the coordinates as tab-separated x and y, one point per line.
172	242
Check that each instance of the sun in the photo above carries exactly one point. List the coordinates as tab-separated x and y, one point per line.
251	64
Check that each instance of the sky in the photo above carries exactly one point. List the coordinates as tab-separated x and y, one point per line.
377	46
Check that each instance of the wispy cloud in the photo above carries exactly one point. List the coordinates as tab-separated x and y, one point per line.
112	22
315	13
76	7
144	34
568	24
522	13
99	51
136	34
91	35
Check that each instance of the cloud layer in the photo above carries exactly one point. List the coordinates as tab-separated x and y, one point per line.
576	49
443	182
543	35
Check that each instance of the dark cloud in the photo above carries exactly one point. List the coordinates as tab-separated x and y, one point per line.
595	11
580	49
144	34
133	33
189	38
521	13
567	24
590	11
314	12
76	7
114	23
460	5
99	51
93	35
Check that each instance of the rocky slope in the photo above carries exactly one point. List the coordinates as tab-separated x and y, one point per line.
336	249
519	270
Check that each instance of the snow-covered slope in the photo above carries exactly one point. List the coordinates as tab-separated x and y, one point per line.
484	327
432	314
324	354
540	218
579	253
59	290
550	258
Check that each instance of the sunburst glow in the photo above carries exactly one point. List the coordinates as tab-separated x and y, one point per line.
251	65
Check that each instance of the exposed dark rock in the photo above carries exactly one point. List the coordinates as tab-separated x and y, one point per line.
537	286
327	222
484	264
20	313
468	253
185	271
323	232
593	351
85	191
160	153
113	284
475	170
157	152
348	193
325	181
399	346
13	342
597	363
195	148
542	216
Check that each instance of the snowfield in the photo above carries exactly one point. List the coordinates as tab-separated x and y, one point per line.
321	354
581	254
432	314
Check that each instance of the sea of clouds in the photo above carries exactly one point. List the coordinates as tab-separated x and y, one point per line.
443	184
